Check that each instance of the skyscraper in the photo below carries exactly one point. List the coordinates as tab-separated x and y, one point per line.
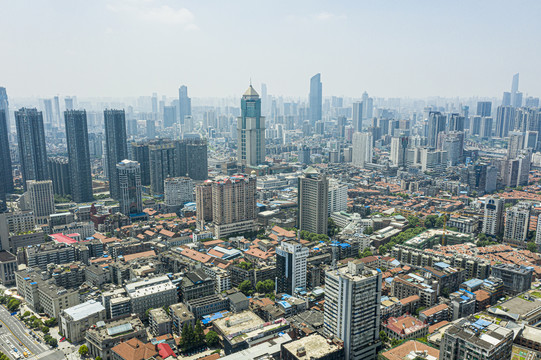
69	103
357	116
79	155
131	191
163	164
517	222
6	177
312	202
399	147
368	106
115	146
178	190
4	104
41	196
233	205
504	120
184	103
264	100
484	108
49	115
169	116
315	99
456	122
59	170
362	144
290	266
493	216
32	151
352	309
58	116
516	96
251	130
436	124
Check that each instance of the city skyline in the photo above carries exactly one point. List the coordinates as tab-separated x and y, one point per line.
384	49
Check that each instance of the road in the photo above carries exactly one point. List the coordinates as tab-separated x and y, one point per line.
13	331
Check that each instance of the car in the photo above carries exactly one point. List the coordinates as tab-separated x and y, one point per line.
20	343
1	325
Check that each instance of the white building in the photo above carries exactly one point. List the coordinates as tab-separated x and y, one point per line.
517	221
41	199
290	266
362	149
178	191
352	309
399	147
131	191
74	321
493	217
338	196
151	294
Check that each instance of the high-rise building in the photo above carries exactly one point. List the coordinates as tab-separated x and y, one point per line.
49	115
313	202
6	176
58	115
516	96
251	130
352	309
193	158
290	267
264	100
453	144
436	125
362	147
32	150
140	153
472	338
486	127
338	196
4	105
399	150
456	122
517	221
116	147
484	108
504	120
169	116
178	191
41	198
131	191
516	171
203	203
79	155
184	103
368	106
357	116
515	145
163	164
233	205
493	216
68	101
59	170
316	95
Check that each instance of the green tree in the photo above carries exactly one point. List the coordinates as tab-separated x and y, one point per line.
212	338
413	221
199	334
332	228
188	337
13	304
383	336
98	358
45	329
382	250
51	322
368	230
532	246
366	252
83	350
26	313
246	287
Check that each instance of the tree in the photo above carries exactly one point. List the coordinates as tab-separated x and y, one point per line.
332	228
51	322
532	246
98	358
212	338
383	336
188	337
413	221
382	250
13	304
265	286
246	287
368	230
45	329
26	313
83	350
366	252
199	334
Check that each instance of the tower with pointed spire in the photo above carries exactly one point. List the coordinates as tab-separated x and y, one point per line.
251	130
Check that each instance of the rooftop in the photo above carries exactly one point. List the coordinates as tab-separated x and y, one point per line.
314	346
81	311
410	350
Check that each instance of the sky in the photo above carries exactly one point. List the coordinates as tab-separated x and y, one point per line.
391	48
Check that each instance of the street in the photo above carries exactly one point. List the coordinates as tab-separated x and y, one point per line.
13	331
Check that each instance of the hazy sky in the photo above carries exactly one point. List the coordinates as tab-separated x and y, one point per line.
389	48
